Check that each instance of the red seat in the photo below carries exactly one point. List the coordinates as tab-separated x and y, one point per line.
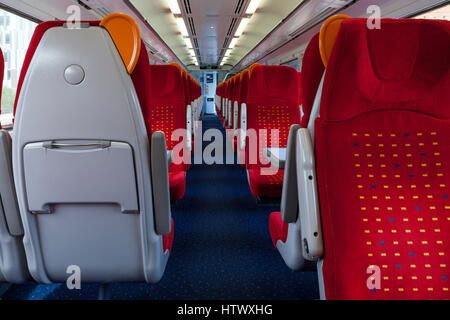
382	153
300	93
235	108
272	104
245	76
226	102
219	91
267	186
309	80
168	114
229	115
278	229
312	73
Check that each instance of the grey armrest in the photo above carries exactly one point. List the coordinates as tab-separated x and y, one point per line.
160	184
308	199
7	188
289	197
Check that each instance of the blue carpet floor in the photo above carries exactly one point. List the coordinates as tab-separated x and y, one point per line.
222	249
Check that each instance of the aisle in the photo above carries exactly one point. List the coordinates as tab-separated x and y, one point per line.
222	248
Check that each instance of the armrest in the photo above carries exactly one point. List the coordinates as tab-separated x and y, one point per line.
224	109
289	197
160	184
308	201
189	128
235	115
230	112
8	197
243	138
194	118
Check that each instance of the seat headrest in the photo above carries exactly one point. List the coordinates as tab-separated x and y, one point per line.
168	81
279	82
245	76
402	66
237	88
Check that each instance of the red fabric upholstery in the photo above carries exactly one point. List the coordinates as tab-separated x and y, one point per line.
236	97
383	154
245	76
272	104
300	93
312	72
231	87
167	106
177	181
266	186
278	228
168	239
142	81
35	40
168	114
397	67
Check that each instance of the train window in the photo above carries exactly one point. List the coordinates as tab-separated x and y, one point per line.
293	63
442	13
15	37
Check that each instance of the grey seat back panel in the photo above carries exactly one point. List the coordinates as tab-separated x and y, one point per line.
104	107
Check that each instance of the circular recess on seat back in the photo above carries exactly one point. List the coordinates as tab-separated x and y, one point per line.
74	74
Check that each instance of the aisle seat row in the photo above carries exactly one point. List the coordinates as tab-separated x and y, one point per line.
85	177
258	106
366	186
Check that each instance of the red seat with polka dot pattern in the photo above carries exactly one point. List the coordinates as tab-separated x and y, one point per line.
383	152
272	107
168	114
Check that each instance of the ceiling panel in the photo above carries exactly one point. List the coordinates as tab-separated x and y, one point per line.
161	19
267	16
212	21
212	24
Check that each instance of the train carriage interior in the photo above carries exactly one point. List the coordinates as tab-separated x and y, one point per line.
238	150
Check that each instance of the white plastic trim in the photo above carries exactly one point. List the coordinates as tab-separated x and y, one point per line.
236	115
315	112
224	109
308	201
189	128
243	126
230	112
194	118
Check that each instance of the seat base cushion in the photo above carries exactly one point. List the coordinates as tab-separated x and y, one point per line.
278	228
267	186
177	181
